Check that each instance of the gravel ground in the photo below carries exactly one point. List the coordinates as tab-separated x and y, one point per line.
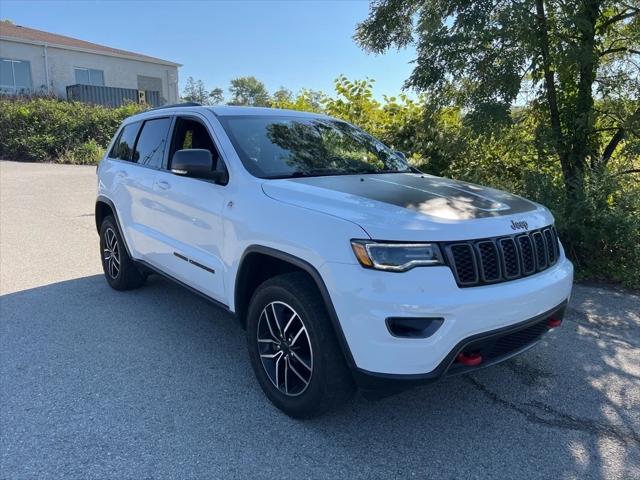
155	383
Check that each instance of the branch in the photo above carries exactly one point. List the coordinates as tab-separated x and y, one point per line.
623	15
615	141
605	129
619	49
625	172
611	147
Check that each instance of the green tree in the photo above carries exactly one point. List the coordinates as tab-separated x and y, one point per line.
248	91
195	91
216	96
306	101
282	95
579	58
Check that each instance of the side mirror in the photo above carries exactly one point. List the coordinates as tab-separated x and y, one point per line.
197	163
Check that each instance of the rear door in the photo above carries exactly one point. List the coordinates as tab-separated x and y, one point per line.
188	215
139	152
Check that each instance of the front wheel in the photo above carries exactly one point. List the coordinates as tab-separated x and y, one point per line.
293	349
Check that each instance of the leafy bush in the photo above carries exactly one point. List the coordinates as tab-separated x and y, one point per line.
88	153
48	129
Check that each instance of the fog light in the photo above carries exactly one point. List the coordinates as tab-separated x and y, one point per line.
406	327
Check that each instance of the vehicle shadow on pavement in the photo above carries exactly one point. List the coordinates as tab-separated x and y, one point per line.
123	384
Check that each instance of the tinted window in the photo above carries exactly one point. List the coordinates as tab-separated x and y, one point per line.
273	147
123	148
192	134
151	142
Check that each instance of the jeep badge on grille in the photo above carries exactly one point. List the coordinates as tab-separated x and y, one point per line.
521	225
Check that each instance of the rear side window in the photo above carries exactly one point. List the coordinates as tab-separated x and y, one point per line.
151	142
123	148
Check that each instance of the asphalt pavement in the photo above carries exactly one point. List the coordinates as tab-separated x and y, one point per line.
156	382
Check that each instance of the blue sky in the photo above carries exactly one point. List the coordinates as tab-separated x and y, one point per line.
290	43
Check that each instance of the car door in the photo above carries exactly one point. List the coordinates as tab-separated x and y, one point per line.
138	162
188	216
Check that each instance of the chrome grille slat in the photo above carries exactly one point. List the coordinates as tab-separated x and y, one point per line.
501	259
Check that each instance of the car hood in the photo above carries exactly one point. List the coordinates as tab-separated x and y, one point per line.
414	207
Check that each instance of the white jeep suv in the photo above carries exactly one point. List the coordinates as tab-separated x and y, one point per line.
346	266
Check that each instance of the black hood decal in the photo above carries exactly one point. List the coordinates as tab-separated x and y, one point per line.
426	194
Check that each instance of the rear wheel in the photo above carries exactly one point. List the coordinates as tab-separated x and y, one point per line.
119	269
293	348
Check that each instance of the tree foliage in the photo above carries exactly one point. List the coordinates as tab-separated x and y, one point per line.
195	91
248	91
573	56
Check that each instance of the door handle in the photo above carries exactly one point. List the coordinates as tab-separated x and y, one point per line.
163	185
121	174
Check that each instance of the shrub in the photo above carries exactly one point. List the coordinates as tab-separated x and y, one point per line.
48	129
87	153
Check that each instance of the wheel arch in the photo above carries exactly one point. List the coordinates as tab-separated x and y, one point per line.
105	207
256	256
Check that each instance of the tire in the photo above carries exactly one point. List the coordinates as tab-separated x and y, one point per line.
308	351
119	269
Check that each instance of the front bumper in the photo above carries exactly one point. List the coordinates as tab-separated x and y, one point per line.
492	347
363	299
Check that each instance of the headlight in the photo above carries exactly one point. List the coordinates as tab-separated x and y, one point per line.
396	257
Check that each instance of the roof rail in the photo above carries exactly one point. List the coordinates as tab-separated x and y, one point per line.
185	104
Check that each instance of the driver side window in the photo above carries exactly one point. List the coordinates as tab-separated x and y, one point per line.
188	134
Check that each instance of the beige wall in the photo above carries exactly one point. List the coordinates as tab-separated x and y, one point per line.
118	72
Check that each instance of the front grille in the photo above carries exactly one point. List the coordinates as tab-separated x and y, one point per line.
500	259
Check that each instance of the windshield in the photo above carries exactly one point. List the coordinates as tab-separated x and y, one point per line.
281	147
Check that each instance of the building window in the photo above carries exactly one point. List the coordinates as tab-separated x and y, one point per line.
15	75
89	76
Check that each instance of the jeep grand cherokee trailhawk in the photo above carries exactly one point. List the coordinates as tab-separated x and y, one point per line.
346	266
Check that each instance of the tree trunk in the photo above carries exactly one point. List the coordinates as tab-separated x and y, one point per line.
582	123
573	178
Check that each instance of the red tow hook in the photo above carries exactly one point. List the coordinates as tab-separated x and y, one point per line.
469	359
554	322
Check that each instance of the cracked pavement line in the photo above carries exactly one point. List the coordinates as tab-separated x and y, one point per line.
562	420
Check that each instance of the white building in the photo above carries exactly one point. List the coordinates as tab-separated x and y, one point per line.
33	61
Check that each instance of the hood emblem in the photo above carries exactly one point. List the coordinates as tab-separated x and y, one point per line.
521	225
